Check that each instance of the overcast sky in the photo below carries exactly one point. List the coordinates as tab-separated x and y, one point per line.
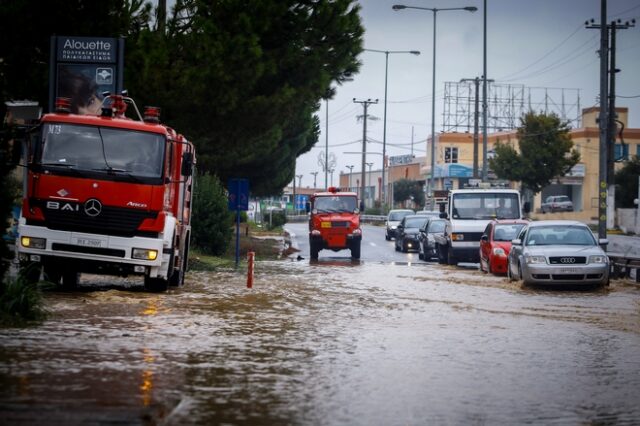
535	43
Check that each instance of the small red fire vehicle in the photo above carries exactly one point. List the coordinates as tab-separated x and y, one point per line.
334	222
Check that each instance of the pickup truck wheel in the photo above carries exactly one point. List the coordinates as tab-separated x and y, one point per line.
355	251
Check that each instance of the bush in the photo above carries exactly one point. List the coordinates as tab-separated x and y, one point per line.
211	221
276	218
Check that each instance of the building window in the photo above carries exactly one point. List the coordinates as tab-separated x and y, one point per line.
450	155
620	152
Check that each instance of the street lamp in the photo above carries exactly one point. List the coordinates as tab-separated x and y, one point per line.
350	171
384	131
433	81
314	179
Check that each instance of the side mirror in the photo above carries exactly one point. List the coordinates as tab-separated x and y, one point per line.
187	164
484	238
603	242
516	242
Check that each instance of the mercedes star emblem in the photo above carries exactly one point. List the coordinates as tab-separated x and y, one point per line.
92	207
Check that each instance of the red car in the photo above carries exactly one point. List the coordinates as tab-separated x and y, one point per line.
495	244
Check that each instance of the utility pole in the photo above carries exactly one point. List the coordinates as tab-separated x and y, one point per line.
476	125
607	118
326	146
369	184
365	105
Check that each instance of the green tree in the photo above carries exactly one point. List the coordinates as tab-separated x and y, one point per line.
405	189
627	186
243	79
545	152
211	220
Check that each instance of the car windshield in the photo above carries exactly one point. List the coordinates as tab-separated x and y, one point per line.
560	235
102	149
437	226
561	199
397	216
474	206
335	204
507	232
415	222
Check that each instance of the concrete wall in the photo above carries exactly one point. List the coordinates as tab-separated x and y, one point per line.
626	220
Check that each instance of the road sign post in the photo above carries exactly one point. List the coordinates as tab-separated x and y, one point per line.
238	200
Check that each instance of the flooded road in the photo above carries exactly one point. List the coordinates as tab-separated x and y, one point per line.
328	343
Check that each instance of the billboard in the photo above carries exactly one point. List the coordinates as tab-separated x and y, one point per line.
82	68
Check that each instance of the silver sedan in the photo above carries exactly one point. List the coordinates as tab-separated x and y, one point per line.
558	252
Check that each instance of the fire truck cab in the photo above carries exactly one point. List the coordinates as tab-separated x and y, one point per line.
334	222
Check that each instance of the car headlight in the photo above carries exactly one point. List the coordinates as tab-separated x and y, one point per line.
499	251
535	259
598	258
393	227
144	254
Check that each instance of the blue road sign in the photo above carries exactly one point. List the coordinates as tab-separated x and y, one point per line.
238	194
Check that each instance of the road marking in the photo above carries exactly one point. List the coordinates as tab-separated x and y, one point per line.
373	244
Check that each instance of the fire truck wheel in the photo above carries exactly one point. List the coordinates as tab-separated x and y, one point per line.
52	274
177	278
70	280
155	285
30	271
355	251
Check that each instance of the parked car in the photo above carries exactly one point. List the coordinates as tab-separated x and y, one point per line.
429	213
495	244
426	237
393	220
407	232
557	203
558	252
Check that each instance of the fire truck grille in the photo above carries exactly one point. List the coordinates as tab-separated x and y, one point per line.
339	224
111	221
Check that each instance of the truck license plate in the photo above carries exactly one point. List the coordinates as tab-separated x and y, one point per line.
88	242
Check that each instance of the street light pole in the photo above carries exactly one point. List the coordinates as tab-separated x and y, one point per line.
350	171
314	179
433	81
384	131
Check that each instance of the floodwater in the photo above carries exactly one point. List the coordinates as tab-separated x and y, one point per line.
330	343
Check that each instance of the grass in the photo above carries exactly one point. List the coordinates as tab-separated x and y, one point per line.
21	302
266	244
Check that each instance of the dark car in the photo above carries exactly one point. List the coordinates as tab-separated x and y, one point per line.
393	220
426	240
407	232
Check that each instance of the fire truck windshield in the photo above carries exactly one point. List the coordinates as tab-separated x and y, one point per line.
102	149
335	204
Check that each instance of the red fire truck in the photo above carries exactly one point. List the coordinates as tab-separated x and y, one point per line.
334	222
106	194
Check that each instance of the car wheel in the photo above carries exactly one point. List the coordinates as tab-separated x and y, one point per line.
489	271
387	237
451	259
509	275
441	256
420	252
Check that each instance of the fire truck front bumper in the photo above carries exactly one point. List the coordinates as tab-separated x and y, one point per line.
91	252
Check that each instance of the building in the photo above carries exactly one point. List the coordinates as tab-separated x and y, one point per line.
455	153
